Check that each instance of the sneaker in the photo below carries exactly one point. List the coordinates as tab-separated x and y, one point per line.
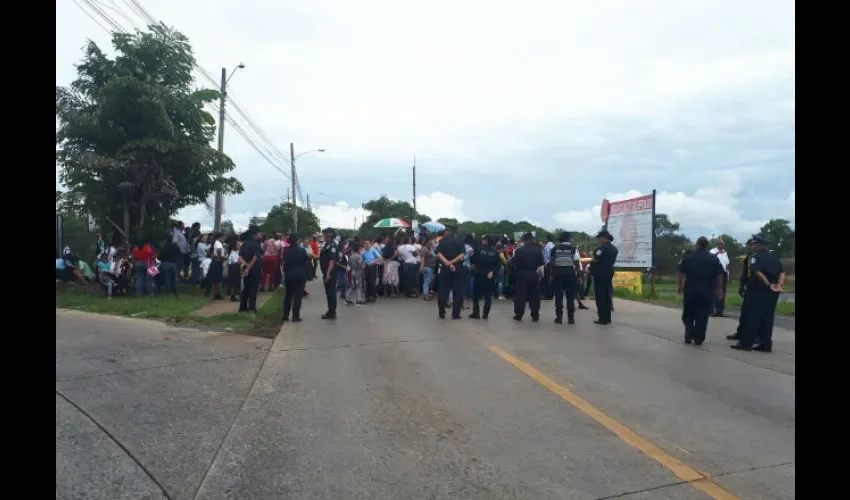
348	302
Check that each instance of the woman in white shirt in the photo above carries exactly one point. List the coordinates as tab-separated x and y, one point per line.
234	271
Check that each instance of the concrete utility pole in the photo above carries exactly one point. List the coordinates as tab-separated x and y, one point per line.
414	183
294	192
219	196
309	206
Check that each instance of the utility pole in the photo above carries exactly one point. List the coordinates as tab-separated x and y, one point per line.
219	196
294	192
287	195
309	206
414	182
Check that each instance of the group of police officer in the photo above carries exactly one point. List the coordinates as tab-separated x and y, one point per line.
700	278
563	272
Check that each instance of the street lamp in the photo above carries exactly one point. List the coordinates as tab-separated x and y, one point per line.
219	196
293	178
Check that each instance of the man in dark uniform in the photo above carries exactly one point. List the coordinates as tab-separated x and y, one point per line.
763	288
702	274
485	263
450	253
527	259
328	257
563	270
742	291
603	275
251	258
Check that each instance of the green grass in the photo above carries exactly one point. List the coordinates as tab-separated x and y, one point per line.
666	293
168	308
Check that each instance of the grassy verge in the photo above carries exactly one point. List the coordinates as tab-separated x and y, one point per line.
178	310
666	294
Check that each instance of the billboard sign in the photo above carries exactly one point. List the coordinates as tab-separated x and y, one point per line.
630	222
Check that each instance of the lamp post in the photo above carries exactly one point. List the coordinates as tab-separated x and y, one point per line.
219	196
294	179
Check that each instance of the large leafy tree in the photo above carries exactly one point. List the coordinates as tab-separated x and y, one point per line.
781	237
133	136
670	244
279	220
384	208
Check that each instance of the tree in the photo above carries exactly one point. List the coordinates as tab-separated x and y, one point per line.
384	208
279	220
133	137
227	227
448	221
669	244
781	237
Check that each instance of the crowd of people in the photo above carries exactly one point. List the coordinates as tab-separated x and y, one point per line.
459	273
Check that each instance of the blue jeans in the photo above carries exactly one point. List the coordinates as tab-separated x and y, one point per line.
169	276
143	281
427	276
341	281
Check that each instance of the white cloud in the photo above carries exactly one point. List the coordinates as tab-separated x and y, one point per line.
340	215
438	205
200	213
712	209
380	79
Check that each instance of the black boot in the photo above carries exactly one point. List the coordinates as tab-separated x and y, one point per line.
559	320
329	315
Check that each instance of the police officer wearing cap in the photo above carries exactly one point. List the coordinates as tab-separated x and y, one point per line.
742	291
527	260
450	254
563	271
328	257
702	274
602	267
764	285
485	263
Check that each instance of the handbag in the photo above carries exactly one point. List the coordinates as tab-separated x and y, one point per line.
152	269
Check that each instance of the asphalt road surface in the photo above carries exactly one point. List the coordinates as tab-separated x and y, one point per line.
389	402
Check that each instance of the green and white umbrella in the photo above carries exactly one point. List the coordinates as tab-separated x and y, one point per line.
392	222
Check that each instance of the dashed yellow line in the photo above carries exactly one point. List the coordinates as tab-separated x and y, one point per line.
698	480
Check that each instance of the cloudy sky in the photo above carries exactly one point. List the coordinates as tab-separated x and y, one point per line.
534	110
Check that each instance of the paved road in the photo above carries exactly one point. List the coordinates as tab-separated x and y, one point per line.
392	403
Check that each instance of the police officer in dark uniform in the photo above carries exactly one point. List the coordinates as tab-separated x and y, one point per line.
702	274
485	263
763	288
527	259
602	266
564	269
328	257
742	291
450	253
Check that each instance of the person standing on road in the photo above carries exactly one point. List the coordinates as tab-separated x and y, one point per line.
485	262
563	271
763	288
371	261
720	304
251	258
450	253
742	291
328	258
296	266
702	274
602	267
526	262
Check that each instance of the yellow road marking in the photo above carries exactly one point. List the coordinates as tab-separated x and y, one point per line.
684	472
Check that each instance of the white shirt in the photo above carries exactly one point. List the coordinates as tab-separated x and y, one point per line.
723	257
216	247
201	250
406	253
233	258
